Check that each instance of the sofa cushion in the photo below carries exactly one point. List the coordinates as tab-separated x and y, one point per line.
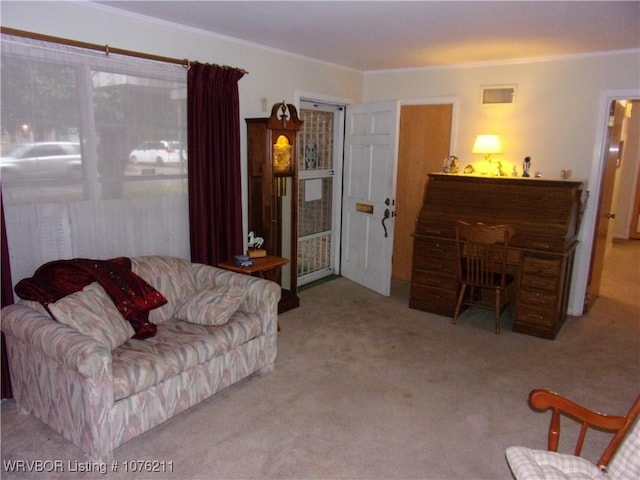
177	346
172	276
92	312
212	306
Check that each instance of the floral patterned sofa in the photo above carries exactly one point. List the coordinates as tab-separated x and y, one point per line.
86	377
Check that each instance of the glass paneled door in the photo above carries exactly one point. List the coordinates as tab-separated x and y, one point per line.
320	143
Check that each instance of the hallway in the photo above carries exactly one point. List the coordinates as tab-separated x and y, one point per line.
621	273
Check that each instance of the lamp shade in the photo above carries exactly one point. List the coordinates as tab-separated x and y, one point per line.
487	144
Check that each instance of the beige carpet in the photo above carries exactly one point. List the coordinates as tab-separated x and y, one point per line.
366	388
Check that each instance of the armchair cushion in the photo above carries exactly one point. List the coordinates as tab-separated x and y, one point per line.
626	461
529	464
212	306
92	312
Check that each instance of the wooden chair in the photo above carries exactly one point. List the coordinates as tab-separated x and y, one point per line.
482	261
620	458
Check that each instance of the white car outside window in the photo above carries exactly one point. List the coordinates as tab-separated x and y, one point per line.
42	160
158	152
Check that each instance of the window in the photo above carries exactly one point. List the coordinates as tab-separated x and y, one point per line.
94	159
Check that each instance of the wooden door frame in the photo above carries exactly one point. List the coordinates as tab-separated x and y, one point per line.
633	223
586	235
633	227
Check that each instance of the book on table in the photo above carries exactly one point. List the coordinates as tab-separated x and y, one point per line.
243	261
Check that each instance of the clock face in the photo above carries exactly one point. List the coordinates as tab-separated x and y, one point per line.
282	155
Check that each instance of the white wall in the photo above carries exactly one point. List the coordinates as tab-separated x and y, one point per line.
558	118
273	75
554	116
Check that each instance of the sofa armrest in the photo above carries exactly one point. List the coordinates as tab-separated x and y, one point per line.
55	340
61	376
262	298
259	290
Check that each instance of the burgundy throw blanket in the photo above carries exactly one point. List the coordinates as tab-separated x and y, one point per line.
132	296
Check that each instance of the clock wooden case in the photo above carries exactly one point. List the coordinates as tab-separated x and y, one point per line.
273	190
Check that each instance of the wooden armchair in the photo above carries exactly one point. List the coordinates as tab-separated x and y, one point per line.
620	460
482	265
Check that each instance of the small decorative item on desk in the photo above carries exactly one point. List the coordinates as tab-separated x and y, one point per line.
243	261
526	165
450	164
254	242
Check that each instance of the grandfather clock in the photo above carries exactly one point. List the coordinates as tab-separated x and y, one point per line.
273	191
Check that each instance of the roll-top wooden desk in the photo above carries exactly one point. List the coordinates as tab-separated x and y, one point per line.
546	216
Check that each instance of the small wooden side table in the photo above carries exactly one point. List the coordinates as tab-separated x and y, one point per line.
268	267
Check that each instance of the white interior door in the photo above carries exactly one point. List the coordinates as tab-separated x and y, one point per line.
368	202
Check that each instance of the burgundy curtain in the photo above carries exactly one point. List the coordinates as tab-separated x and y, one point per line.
215	196
7	299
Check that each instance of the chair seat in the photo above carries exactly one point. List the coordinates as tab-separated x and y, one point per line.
529	464
481	253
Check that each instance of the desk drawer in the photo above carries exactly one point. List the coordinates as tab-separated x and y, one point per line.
433	294
430	278
540	242
536	298
539	282
542	266
440	265
527	314
434	248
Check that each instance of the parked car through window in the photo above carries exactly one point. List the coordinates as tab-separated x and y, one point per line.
158	152
42	160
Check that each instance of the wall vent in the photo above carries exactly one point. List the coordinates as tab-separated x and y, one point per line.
495	95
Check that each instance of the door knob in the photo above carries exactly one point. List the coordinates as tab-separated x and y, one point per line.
387	214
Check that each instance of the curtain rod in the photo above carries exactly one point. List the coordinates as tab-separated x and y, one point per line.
103	48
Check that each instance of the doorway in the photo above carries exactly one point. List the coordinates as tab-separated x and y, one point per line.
426	132
424	143
619	200
320	142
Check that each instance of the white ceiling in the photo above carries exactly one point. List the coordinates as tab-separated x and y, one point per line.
379	35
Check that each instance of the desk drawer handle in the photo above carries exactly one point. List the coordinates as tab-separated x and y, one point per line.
433	231
544	266
537	298
545	246
535	316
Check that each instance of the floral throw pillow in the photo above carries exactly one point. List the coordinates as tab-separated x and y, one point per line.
212	306
92	312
